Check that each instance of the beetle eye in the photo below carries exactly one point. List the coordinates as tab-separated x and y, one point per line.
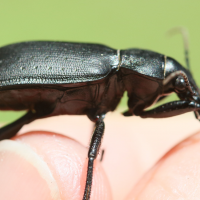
180	83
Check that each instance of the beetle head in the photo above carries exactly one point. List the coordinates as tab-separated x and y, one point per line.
187	90
180	80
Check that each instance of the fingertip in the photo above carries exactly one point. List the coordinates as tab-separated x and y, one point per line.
175	176
59	164
19	178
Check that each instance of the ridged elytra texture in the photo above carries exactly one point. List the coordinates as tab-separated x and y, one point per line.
55	63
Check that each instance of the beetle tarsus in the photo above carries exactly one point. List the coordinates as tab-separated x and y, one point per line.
92	154
171	109
127	114
102	155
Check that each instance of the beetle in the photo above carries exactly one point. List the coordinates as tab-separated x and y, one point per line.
52	78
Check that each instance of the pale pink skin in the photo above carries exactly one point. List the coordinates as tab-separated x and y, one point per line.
135	164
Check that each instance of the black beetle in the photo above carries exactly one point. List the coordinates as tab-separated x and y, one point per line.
54	78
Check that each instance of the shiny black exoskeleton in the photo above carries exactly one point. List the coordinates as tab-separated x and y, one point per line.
54	78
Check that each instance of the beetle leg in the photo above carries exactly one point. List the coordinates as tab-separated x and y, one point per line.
102	155
92	154
39	111
11	130
170	109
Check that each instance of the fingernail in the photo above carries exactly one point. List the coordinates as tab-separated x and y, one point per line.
24	175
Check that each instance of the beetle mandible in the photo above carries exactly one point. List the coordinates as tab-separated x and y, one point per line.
52	78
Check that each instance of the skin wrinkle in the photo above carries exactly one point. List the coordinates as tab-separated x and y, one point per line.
165	189
55	157
59	161
157	194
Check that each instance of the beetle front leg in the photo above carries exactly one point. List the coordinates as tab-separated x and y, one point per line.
92	154
170	109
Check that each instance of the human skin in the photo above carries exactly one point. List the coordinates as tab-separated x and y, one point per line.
138	163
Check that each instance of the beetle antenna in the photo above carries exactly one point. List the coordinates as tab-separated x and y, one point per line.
185	36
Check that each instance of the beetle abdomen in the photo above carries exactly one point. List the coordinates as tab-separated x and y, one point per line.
55	63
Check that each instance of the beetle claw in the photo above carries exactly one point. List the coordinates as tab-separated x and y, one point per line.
127	114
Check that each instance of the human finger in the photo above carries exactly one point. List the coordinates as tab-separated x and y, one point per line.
175	176
44	165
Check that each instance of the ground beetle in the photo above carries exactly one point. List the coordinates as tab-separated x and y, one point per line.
53	78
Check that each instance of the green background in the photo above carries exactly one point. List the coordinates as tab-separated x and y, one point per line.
118	24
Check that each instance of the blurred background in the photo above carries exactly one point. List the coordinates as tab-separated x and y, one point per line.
118	24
